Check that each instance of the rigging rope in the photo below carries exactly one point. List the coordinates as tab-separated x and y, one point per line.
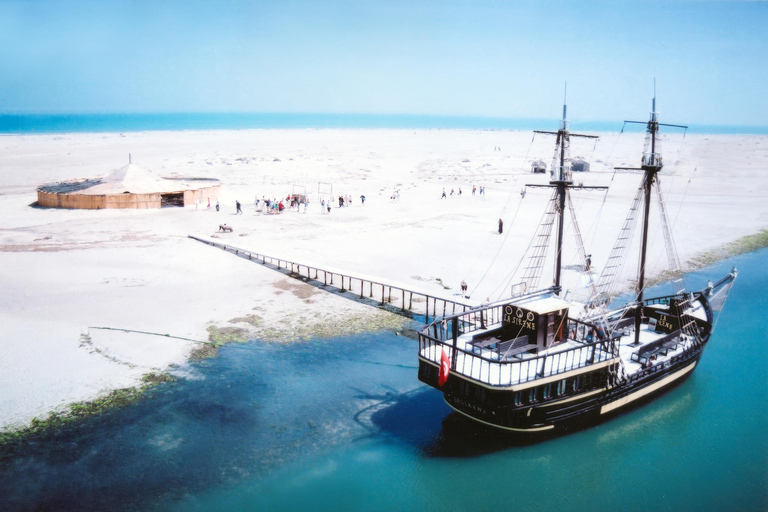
503	210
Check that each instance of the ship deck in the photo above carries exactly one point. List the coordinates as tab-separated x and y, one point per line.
490	362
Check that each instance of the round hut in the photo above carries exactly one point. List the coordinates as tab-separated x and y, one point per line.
539	166
131	186
579	165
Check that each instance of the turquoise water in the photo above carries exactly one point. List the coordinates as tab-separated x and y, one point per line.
344	424
65	123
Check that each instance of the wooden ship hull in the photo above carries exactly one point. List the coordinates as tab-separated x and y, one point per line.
572	384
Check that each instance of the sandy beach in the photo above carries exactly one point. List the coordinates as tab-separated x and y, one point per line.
63	271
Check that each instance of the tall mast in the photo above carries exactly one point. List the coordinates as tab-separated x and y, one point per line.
561	181
651	165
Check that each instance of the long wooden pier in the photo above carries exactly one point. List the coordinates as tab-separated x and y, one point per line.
411	302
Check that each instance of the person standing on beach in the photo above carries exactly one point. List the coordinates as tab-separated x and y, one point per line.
209	203
474	189
237	205
501	226
217	205
464	289
443	197
362	200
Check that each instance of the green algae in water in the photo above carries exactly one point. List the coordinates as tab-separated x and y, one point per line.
81	411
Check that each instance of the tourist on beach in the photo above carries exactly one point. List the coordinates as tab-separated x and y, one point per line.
209	203
459	190
443	197
362	200
217	205
451	192
501	226
464	289
474	189
237	206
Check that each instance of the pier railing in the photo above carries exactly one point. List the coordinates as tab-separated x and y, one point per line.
411	302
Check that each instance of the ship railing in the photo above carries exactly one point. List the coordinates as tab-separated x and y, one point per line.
495	370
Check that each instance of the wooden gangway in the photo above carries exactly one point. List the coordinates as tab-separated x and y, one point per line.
412	303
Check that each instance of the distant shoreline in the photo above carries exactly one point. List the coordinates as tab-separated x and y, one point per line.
28	124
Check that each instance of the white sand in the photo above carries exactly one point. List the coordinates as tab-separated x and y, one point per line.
62	271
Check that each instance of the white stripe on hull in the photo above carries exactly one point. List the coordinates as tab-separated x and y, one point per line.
646	390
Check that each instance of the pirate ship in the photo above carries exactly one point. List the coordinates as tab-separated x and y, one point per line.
537	363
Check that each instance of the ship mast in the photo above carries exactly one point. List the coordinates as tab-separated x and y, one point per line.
561	181
651	165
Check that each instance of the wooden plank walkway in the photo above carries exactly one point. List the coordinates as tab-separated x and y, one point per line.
366	289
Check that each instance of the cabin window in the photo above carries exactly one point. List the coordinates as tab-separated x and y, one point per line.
561	388
546	391
577	382
518	398
532	395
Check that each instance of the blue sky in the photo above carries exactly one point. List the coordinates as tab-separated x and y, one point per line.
455	57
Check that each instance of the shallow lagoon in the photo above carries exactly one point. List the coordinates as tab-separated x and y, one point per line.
344	424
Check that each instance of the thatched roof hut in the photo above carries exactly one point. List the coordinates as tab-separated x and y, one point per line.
131	186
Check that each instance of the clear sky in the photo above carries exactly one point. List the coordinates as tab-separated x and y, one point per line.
452	57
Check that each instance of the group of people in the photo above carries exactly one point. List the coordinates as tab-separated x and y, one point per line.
345	201
453	192
270	206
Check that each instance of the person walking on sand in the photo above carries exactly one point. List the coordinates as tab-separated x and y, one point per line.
464	289
501	226
217	205
362	200
237	205
474	189
209	203
443	197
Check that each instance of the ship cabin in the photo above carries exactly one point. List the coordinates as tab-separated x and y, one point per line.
514	344
526	328
508	357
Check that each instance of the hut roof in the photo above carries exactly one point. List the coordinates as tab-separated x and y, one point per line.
133	179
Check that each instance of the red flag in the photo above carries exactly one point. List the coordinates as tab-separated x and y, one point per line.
445	369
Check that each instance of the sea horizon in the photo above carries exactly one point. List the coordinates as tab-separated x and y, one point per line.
20	124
